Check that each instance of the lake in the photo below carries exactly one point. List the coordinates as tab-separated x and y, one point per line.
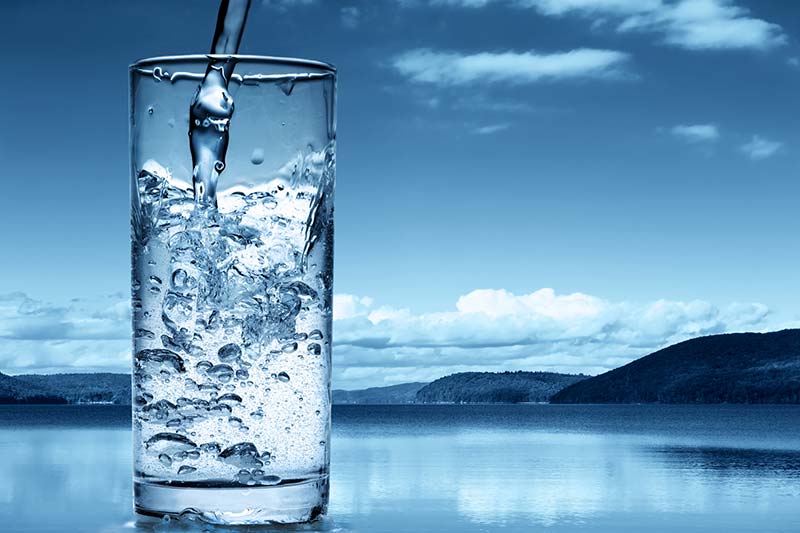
478	468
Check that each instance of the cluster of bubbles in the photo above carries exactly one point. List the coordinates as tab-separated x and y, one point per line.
172	448
232	317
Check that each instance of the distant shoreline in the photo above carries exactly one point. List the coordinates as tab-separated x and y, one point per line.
444	404
735	368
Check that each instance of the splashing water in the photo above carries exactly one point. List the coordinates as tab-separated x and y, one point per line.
234	348
212	107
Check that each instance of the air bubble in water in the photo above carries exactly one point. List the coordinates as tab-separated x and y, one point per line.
230	397
257	156
244	477
152	360
186	469
314	349
243	455
177	308
168	443
289	348
229	352
222	408
210	447
165	459
270	480
283	376
144	334
286	86
222	372
315	335
169	343
180	279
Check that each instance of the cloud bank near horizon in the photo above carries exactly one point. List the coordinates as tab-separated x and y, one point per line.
493	330
487	330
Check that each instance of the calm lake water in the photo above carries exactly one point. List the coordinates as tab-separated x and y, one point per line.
483	468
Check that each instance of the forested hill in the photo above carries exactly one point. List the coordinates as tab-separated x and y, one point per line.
732	368
66	388
12	390
392	394
496	387
84	388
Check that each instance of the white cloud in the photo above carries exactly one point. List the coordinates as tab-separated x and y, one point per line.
707	24
452	68
485	330
491	128
350	17
24	318
462	3
696	133
688	24
83	335
760	148
287	3
347	306
479	102
498	330
605	7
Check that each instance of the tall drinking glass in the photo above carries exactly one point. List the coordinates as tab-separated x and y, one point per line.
232	295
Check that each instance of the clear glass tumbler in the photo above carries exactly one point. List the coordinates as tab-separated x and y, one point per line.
232	302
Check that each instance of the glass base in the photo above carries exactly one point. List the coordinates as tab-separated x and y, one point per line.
289	503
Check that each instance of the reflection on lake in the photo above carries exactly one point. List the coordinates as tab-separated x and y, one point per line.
455	468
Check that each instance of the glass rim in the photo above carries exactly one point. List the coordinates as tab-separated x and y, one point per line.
309	64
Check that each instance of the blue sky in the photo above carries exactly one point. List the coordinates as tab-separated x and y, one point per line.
539	184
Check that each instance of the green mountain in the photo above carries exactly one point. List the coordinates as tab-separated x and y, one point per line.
393	394
496	387
84	388
13	390
732	368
